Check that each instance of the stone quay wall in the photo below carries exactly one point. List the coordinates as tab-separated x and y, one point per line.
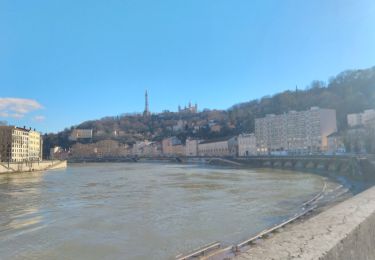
31	166
345	231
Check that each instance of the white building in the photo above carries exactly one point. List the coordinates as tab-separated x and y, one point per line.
20	144
296	132
354	119
247	145
359	119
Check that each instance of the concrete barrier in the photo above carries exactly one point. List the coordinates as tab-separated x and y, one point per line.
343	232
34	166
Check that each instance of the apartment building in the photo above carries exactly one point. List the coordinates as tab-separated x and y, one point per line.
295	132
20	144
360	119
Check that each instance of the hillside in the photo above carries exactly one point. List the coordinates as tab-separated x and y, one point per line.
351	91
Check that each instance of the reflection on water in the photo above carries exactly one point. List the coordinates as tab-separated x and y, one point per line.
141	211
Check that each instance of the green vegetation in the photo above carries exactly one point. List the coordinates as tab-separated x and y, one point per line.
351	91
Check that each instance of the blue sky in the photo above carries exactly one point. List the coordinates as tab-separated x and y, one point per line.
82	60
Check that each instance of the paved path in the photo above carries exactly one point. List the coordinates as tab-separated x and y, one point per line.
345	231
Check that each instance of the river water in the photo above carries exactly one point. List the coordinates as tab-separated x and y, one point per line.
141	210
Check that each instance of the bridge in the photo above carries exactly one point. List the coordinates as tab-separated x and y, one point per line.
357	167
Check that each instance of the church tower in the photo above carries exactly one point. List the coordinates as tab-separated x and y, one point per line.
147	111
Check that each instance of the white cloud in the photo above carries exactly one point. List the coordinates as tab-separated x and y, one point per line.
39	118
17	107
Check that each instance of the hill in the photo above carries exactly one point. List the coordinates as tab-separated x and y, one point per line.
351	91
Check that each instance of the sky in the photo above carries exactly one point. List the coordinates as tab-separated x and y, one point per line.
65	62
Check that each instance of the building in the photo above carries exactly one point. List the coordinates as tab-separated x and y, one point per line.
359	119
233	146
354	120
355	139
179	150
20	144
218	147
35	146
57	153
80	134
146	148
247	145
172	146
188	109
335	144
295	132
192	147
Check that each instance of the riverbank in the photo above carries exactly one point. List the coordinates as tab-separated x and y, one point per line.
298	228
345	231
16	167
327	198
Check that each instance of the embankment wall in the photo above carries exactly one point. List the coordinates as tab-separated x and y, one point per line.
29	167
345	231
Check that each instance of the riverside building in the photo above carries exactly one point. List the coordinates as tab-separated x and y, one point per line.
219	147
20	144
360	119
173	146
295	132
191	147
247	145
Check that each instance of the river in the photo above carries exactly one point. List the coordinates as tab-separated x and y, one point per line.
142	210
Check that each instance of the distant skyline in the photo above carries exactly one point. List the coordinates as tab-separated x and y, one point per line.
65	62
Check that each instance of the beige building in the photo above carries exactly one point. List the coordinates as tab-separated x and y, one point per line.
20	144
35	146
192	147
188	109
295	132
101	149
247	145
171	146
219	147
179	150
80	134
